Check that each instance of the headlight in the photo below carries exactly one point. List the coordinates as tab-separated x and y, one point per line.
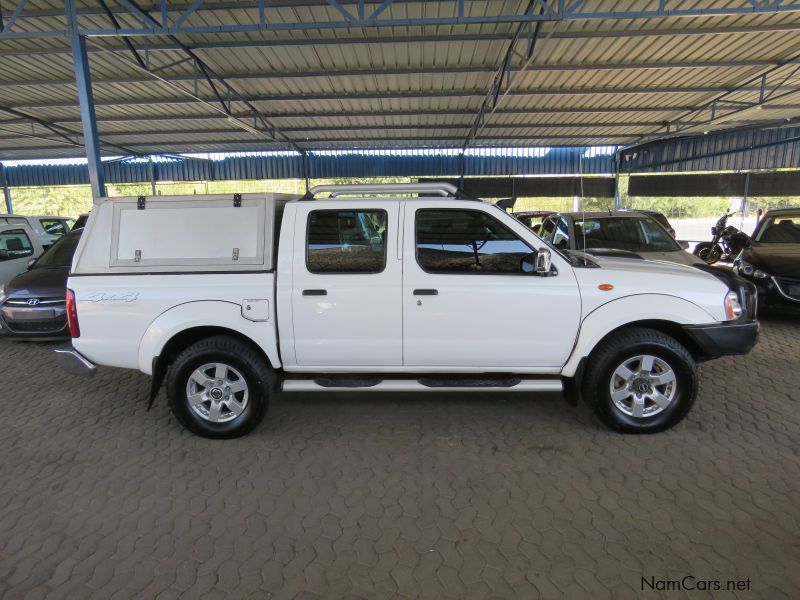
733	309
748	270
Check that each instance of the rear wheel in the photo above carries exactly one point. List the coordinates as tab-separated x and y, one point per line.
641	381
219	388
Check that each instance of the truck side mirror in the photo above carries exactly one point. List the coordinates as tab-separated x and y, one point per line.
543	261
683	244
537	262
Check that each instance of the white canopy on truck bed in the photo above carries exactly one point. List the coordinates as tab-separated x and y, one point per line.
163	234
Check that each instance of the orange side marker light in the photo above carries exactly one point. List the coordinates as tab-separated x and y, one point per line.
605	287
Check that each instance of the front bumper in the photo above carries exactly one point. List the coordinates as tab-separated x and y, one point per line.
45	322
774	298
74	362
724	339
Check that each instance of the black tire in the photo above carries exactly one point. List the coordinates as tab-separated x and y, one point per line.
708	252
623	346
240	356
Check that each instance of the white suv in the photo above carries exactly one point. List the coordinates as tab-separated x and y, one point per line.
47	229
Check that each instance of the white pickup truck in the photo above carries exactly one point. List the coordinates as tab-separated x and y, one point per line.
407	287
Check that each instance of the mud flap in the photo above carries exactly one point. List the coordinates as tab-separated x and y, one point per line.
573	385
159	371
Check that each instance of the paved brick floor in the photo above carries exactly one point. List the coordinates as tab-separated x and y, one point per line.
375	496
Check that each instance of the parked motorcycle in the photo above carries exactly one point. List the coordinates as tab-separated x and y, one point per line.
725	245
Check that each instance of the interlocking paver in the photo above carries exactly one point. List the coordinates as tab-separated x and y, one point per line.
411	496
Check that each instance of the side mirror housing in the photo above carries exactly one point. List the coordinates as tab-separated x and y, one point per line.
543	261
683	244
539	263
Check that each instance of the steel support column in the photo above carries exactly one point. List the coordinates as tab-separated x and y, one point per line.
151	171
617	193
6	190
83	81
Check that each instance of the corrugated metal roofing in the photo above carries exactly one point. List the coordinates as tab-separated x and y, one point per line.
603	81
732	151
322	165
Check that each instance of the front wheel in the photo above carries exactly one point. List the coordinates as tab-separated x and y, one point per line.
219	388
708	252
641	381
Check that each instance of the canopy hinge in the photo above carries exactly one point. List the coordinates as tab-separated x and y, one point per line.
237	200
140	202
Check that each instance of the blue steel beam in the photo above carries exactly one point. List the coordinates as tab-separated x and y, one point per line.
409	71
552	11
156	46
726	105
212	78
83	83
6	190
502	73
403	95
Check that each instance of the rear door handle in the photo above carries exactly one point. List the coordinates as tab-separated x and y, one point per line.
426	292
315	292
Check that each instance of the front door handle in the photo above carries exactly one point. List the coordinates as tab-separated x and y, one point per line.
426	292
315	292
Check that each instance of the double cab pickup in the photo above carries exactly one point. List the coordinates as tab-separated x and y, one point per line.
226	299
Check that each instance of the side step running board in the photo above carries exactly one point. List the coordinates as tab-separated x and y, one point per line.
422	385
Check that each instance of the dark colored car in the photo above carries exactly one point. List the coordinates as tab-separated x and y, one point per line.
81	222
32	305
532	218
771	260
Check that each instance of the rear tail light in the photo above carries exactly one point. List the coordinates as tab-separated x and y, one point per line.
72	315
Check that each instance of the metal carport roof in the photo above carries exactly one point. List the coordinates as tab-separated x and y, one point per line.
206	76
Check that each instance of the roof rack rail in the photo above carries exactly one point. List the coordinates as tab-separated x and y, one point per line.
428	189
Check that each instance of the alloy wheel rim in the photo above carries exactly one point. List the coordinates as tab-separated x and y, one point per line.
643	386
217	392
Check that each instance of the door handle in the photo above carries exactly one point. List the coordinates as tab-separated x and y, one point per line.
426	292
315	292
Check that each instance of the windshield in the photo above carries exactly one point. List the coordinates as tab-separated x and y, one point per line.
60	253
780	229
636	234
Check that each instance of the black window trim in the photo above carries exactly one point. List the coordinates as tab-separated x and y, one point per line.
483	212
340	210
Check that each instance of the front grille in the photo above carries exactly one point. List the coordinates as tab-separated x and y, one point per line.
45	301
37	326
789	286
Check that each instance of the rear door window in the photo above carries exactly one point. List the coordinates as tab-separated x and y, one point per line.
346	241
